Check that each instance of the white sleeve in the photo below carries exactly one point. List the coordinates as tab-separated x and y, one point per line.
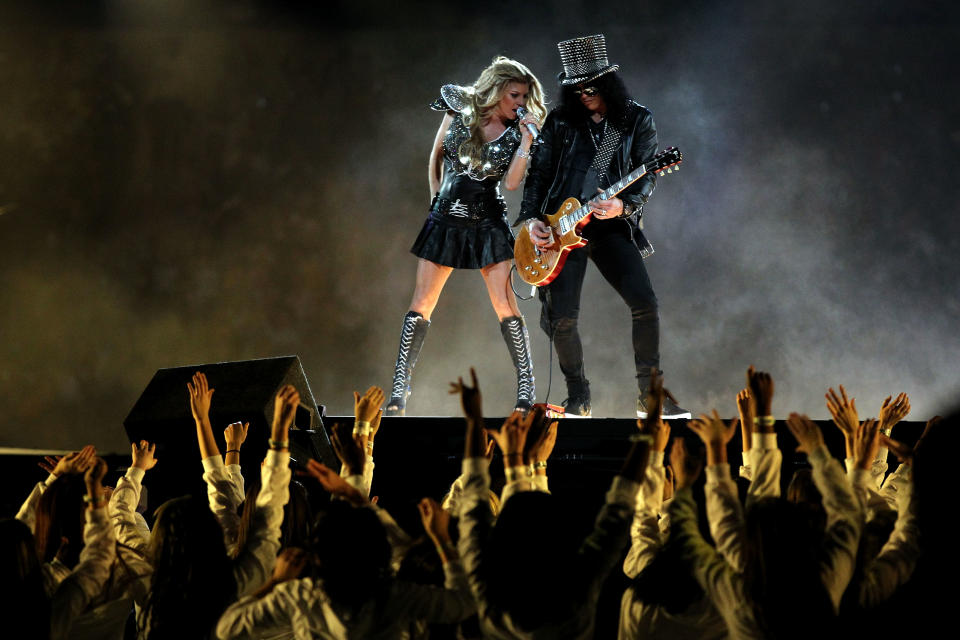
222	497
123	511
254	565
451	501
28	511
896	486
270	616
86	580
725	515
237	483
366	476
400	541
523	482
645	540
765	462
844	521
896	561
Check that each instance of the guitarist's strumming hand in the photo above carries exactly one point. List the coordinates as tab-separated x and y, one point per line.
605	209
540	233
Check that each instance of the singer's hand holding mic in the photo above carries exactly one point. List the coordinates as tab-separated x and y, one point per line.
528	121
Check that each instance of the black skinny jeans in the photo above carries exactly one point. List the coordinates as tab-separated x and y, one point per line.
611	248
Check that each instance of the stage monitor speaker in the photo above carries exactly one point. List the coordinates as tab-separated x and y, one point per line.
244	392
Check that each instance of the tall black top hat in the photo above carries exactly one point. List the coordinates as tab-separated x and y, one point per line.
584	59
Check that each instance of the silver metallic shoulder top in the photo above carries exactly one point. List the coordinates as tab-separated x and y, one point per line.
497	153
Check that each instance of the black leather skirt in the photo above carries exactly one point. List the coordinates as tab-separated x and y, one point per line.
465	235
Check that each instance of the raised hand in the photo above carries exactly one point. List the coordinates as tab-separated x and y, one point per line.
470	398
331	481
512	436
545	447
73	463
745	404
374	427
200	396
715	435
865	443
349	448
686	467
436	521
93	478
284	411
366	407
536	434
236	434
844	413
143	455
761	391
808	434
892	412
653	425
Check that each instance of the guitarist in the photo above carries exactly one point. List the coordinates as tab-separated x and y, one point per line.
594	137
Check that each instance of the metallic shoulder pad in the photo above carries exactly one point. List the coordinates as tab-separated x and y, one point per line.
452	98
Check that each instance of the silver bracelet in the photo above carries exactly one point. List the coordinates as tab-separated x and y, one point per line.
522	154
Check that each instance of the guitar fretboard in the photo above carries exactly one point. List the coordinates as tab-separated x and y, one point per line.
572	219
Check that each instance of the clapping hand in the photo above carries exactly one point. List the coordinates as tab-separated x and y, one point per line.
70	464
865	443
892	412
349	448
512	436
367	406
715	435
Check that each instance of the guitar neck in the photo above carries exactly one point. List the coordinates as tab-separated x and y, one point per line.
572	219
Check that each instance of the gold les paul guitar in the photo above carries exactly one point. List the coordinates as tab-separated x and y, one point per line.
539	266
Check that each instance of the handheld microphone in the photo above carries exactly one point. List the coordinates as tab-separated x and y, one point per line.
532	128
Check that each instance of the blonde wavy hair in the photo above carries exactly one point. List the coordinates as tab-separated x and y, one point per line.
486	94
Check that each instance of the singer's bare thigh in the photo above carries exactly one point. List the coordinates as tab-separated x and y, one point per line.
497	278
430	280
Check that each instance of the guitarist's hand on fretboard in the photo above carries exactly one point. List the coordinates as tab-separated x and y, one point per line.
605	209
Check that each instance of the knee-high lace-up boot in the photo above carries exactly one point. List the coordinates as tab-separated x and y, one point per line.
412	334
515	334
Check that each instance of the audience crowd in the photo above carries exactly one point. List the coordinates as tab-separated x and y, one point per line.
707	550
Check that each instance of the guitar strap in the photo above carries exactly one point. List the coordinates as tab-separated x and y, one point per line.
609	143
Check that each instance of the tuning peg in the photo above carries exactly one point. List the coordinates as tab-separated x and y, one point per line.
676	168
669	170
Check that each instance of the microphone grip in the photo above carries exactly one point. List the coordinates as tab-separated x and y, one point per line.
532	128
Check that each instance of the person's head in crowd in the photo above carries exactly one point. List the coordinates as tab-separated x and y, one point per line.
193	580
25	608
351	554
60	521
297	518
782	569
803	492
532	531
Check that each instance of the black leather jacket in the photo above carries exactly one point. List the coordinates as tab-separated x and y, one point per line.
552	159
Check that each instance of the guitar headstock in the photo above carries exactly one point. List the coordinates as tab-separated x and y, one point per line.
666	161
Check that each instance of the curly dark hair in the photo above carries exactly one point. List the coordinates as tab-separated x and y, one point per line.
613	92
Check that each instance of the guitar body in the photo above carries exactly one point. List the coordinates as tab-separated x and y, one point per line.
540	266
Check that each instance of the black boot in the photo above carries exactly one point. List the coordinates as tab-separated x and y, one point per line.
413	332
670	409
515	334
577	404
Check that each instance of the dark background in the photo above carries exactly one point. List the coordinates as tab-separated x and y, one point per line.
194	181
